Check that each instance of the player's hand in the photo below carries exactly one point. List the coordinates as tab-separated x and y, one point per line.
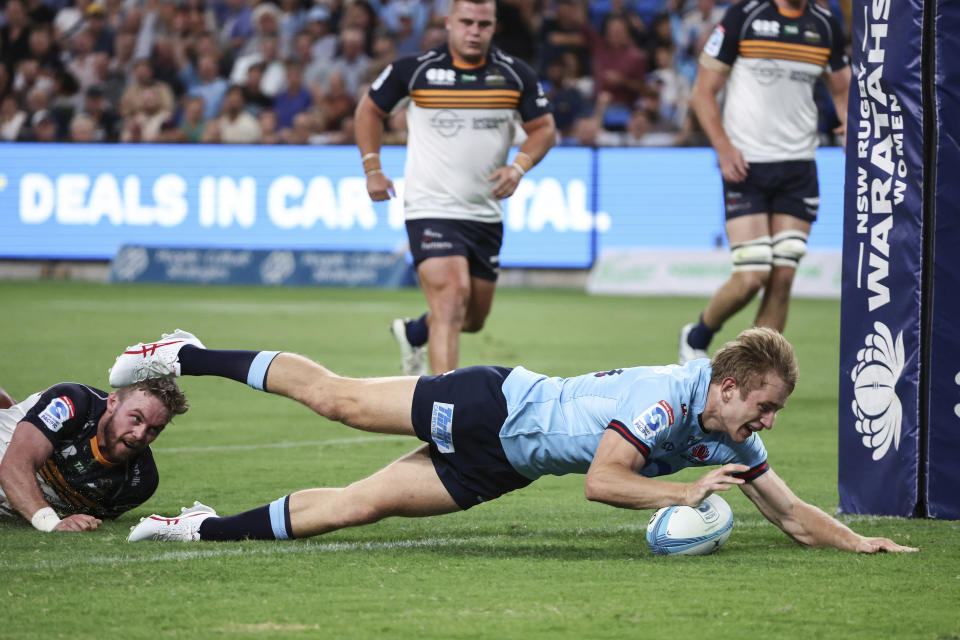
380	187
733	166
719	479
78	522
875	545
506	180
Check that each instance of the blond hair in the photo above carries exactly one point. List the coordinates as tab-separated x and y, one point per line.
165	390
755	353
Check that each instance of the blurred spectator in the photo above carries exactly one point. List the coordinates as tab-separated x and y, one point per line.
274	73
144	124
336	103
254	97
351	63
14	34
619	65
358	14
318	26
101	34
384	53
44	50
132	98
43	128
567	31
640	132
672	88
235	124
695	27
41	13
166	64
269	132
236	25
560	88
265	20
302	49
69	20
81	59
105	119
300	131
66	99
122	62
434	36
518	29
407	19
12	119
159	19
294	98
5	81
194	121
208	85
82	129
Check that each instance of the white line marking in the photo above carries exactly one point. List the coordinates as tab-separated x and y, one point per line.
285	445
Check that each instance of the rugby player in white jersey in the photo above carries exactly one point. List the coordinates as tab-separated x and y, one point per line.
491	430
465	98
767	55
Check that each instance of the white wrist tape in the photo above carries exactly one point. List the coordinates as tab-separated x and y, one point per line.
45	519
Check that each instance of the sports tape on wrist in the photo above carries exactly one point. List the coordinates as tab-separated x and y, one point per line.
45	519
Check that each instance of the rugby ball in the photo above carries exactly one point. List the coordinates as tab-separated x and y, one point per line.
690	531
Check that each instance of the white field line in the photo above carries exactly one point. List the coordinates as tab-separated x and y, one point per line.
287	445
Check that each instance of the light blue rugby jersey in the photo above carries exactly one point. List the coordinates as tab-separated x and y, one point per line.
554	425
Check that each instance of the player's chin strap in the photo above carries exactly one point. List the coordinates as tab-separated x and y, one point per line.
788	248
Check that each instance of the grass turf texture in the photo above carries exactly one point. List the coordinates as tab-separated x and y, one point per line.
541	562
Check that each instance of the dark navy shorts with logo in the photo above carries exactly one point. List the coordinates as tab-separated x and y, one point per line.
775	187
459	414
478	242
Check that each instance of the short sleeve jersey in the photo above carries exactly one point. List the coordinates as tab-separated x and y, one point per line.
461	123
77	478
554	425
775	58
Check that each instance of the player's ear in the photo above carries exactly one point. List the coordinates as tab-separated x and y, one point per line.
728	387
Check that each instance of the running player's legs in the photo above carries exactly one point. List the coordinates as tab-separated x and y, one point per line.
381	405
446	284
408	487
478	307
749	238
789	235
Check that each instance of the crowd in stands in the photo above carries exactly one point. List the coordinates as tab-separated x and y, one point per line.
618	72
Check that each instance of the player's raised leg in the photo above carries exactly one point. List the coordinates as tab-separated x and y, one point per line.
380	405
407	487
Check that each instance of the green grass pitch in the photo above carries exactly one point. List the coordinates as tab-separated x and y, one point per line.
538	563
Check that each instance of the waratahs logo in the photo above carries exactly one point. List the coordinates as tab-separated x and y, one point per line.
876	405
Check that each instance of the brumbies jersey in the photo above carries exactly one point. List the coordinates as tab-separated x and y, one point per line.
554	425
776	57
77	478
461	122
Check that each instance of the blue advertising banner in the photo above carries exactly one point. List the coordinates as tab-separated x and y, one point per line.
73	201
943	434
882	253
261	267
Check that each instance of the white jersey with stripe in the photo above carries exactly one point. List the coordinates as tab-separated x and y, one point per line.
461	123
774	57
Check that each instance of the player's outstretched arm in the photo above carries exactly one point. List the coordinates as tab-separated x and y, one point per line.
27	452
806	523
612	479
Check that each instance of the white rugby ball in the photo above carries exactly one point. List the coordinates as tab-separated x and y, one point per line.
690	531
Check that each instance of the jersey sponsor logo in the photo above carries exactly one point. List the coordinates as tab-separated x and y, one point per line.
441	427
467	77
767	72
57	412
447	123
612	372
381	78
766	28
494	80
791	29
700	452
490	123
714	42
656	417
441	77
811	36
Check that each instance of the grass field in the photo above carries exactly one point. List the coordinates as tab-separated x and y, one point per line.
538	563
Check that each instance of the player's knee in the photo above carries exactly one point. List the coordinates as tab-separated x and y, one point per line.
788	248
754	256
473	323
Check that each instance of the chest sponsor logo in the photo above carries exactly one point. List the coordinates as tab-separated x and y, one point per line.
791	29
467	77
811	35
441	77
767	72
57	412
494	80
490	123
447	123
766	28
656	417
714	42
441	427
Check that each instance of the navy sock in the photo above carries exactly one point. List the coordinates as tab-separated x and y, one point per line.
701	335
243	366
269	522
417	331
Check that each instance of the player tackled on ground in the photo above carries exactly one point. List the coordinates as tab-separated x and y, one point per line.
490	430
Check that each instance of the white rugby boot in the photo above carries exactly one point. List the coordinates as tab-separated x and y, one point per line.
688	353
413	359
182	528
151	359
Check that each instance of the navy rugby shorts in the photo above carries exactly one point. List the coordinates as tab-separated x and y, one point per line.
775	187
459	414
478	242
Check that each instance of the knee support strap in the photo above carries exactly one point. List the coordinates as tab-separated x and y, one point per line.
788	248
754	255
